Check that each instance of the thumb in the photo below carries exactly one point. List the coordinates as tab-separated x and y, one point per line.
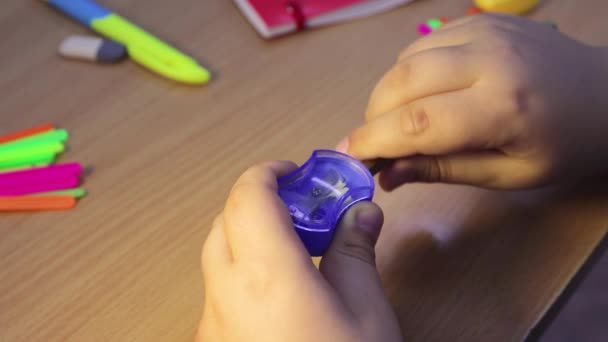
349	263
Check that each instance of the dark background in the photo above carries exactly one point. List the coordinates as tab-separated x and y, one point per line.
581	314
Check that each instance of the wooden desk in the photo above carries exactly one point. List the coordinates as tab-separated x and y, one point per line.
460	264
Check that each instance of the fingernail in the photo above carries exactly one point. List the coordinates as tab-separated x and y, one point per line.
418	121
369	220
343	145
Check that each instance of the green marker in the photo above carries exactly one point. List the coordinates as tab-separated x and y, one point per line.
36	161
14	157
54	136
434	23
21	164
76	193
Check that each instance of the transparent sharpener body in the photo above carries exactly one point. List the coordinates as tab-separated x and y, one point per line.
319	192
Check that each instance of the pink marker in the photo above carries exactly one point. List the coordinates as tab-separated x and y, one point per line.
67	182
424	29
39	175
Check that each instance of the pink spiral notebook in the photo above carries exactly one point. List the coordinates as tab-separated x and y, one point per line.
273	18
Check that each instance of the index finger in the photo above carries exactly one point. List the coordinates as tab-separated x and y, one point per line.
426	73
258	225
436	125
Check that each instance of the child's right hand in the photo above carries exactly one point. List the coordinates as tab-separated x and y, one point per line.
490	100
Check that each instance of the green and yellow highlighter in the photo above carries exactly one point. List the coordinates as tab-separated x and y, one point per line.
142	46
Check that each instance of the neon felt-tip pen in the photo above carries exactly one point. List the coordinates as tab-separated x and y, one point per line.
143	47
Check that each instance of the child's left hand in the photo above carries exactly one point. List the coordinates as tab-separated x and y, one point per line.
261	285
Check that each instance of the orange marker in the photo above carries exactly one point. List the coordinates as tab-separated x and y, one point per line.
473	10
36	203
26	133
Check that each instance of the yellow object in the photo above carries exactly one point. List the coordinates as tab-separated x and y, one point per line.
150	51
507	6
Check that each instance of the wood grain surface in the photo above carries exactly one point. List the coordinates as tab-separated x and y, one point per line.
459	264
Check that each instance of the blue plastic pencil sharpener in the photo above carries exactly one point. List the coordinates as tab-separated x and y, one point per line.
320	191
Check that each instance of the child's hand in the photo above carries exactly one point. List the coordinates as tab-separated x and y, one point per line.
261	285
490	100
